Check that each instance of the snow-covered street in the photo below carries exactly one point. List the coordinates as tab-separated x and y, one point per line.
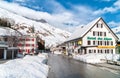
27	67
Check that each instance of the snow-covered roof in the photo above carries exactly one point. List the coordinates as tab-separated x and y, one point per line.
81	30
5	31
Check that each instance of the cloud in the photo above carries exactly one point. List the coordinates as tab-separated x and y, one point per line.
84	13
113	24
112	9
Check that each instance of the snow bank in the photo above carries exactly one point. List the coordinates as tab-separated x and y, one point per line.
57	52
96	58
28	67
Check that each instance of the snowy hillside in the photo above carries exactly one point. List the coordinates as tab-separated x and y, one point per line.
50	34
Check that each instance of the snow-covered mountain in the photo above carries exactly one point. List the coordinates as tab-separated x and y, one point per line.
47	32
116	30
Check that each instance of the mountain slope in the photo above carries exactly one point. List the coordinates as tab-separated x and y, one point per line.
116	30
50	34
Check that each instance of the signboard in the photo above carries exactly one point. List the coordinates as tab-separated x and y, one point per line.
91	38
106	47
99	38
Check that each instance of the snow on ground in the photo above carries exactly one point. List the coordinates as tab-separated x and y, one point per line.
57	52
28	67
96	58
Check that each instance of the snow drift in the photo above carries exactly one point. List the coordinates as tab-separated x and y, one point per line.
96	58
28	67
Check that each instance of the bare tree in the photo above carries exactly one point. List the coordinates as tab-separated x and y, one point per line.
9	24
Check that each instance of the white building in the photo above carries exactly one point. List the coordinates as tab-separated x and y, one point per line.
95	37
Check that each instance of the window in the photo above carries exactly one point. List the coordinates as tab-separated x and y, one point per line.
33	39
94	51
93	42
104	33
101	51
108	51
111	42
90	51
89	43
105	51
100	42
112	51
28	50
20	50
100	33
93	33
97	26
101	25
27	39
33	45
32	50
107	42
5	39
98	51
27	45
21	39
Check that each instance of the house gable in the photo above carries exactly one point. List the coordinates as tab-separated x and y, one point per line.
99	22
82	30
100	31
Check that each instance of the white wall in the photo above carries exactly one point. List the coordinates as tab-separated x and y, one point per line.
104	29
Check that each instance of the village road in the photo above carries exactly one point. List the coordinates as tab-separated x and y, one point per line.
65	67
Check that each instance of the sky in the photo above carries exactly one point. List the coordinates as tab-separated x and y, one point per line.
67	14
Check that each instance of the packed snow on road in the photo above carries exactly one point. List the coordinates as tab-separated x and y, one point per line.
96	58
27	67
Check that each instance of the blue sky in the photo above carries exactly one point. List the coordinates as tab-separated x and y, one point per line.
76	12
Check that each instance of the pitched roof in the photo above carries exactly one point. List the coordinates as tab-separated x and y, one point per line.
80	31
